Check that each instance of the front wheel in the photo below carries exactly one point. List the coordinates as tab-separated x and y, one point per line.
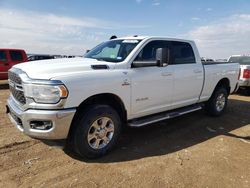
97	131
217	104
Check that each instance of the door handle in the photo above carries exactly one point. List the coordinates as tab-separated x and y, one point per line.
166	74
197	71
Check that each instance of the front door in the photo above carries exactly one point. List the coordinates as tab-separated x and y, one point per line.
151	86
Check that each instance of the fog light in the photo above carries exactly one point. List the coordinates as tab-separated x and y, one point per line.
41	125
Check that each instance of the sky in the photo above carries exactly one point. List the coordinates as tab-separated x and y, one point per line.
220	28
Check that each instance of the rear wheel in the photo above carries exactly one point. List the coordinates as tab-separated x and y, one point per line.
96	131
218	102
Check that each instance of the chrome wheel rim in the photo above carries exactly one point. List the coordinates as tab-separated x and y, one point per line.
100	133
220	102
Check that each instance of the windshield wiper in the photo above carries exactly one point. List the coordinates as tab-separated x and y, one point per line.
100	59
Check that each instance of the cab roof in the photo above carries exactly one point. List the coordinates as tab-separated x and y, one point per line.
151	37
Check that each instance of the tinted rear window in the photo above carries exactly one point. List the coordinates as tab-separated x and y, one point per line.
182	53
16	56
243	60
3	56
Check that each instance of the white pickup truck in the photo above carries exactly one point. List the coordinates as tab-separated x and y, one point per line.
244	79
132	81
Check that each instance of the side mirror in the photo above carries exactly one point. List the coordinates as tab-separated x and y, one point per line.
162	57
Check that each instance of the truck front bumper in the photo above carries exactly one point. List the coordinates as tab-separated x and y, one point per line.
29	121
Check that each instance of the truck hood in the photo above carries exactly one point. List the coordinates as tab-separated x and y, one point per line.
47	69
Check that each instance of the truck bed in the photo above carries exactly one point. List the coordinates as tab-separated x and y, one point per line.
218	71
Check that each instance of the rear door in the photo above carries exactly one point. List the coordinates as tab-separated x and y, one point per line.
4	64
188	74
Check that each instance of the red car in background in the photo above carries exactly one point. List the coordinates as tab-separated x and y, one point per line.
9	58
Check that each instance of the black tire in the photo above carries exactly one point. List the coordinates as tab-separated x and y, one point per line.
82	129
212	106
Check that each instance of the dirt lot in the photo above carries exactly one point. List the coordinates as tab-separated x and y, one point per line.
190	151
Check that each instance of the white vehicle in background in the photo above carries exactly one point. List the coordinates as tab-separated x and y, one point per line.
244	61
221	60
209	60
132	81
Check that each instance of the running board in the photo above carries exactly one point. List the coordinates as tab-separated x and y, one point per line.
163	116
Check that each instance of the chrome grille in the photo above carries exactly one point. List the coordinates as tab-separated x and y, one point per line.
16	88
14	78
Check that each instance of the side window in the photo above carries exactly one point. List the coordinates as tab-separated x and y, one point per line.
16	56
3	57
182	53
148	53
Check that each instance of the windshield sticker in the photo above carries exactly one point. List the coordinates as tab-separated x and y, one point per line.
130	41
119	58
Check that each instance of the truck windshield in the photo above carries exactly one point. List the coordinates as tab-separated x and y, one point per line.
242	60
113	50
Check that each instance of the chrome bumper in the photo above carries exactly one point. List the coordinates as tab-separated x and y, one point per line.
61	121
244	83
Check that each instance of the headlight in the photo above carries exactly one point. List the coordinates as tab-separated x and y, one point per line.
48	94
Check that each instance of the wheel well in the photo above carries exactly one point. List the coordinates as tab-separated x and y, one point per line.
224	83
107	98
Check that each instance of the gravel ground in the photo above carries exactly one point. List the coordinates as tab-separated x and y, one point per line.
190	151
